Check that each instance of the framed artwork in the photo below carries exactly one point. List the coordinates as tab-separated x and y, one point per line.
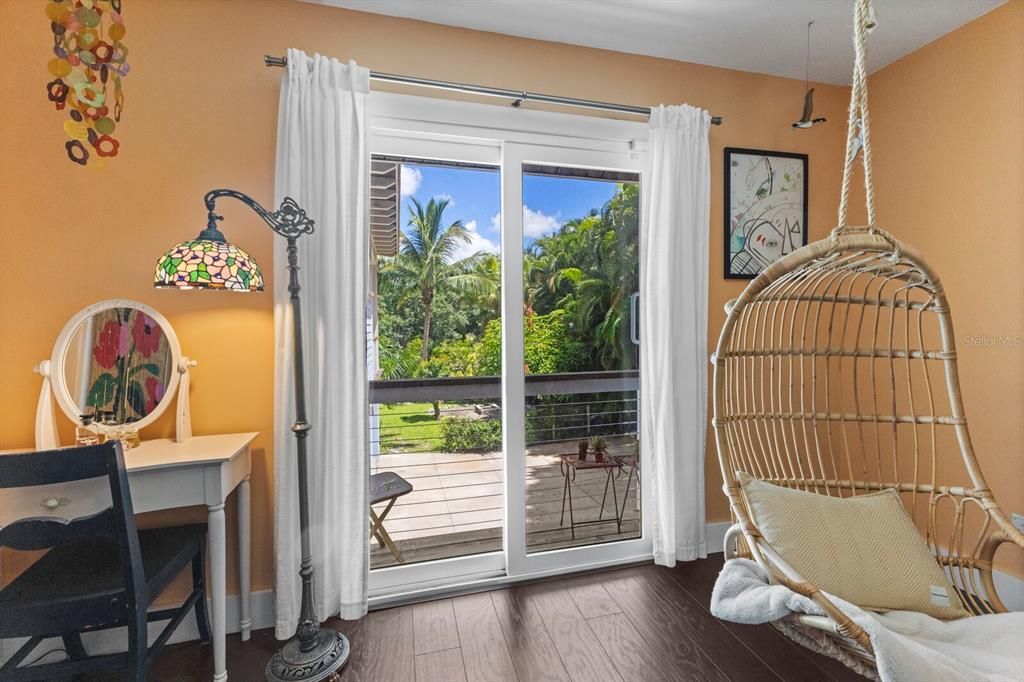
765	208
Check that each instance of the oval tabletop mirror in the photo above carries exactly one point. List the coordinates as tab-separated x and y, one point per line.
118	361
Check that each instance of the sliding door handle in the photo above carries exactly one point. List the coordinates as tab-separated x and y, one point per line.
634	318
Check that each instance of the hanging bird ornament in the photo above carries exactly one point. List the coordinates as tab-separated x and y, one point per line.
807	119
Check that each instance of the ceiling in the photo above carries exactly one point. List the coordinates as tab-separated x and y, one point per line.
764	36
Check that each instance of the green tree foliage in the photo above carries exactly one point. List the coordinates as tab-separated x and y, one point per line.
398	362
426	265
577	285
453	358
550	347
588	268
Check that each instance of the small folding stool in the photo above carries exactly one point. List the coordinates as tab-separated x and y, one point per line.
386	486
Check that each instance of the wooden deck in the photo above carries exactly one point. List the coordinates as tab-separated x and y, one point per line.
455	508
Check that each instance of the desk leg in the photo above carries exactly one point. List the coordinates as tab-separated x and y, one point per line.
218	589
244	557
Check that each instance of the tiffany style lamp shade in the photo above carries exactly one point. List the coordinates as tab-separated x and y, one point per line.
210	262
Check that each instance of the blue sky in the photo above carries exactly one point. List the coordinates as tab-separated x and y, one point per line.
475	199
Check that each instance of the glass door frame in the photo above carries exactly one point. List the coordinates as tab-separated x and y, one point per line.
521	564
438	129
393	582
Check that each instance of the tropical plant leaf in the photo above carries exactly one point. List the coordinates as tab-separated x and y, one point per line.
102	390
136	399
150	367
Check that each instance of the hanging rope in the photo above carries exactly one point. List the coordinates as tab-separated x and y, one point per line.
863	22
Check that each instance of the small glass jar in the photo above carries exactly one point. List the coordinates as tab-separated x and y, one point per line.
86	433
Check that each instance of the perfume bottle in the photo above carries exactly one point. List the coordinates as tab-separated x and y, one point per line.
85	433
128	436
107	425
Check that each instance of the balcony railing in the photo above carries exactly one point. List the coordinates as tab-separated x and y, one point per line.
560	407
444	436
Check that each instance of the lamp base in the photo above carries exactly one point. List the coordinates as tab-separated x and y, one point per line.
291	664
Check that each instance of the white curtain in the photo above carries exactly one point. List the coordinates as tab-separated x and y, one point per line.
673	326
322	162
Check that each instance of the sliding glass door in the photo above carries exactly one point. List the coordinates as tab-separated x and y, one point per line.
434	338
581	355
503	354
574	487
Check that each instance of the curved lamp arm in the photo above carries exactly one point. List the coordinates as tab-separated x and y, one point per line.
290	220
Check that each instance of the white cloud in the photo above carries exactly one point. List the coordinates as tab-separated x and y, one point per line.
444	196
411	179
535	223
477	242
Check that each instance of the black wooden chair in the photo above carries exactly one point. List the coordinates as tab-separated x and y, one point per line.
99	572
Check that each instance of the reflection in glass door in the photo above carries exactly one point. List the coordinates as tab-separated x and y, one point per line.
580	239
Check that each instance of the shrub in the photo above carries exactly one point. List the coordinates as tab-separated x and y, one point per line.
549	346
463	434
453	358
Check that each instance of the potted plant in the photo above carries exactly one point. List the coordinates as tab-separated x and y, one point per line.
581	450
599	446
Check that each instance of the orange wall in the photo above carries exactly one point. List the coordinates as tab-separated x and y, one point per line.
201	113
948	140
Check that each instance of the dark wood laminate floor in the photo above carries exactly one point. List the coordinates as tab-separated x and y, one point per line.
642	624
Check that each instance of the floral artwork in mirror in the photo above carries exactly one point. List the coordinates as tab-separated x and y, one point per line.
118	365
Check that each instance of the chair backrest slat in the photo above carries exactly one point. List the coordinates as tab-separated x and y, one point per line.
36	533
38	530
54	466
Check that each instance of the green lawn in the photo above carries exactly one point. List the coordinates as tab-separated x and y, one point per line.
409	427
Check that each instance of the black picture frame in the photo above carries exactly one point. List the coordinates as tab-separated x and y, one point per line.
727	255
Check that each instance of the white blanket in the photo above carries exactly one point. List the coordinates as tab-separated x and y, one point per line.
909	647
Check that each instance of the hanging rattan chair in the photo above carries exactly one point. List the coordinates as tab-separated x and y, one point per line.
836	373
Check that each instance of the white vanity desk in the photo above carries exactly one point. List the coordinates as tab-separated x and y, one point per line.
121	360
164	474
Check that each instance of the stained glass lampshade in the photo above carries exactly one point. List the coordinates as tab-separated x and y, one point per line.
208	263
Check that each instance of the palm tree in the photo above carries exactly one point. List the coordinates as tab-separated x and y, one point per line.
425	263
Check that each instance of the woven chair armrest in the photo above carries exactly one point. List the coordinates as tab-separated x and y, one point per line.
986	557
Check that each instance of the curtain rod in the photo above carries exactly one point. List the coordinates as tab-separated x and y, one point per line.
517	96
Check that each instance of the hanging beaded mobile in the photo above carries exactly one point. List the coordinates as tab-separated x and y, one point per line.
88	65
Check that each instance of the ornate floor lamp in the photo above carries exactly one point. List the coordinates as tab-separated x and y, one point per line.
211	262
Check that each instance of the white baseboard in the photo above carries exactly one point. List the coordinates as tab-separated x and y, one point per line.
1010	589
714	534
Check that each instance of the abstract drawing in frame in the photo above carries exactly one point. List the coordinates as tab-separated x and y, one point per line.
765	209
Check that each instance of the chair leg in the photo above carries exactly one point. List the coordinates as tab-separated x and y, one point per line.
138	645
73	645
76	651
199	585
378	530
